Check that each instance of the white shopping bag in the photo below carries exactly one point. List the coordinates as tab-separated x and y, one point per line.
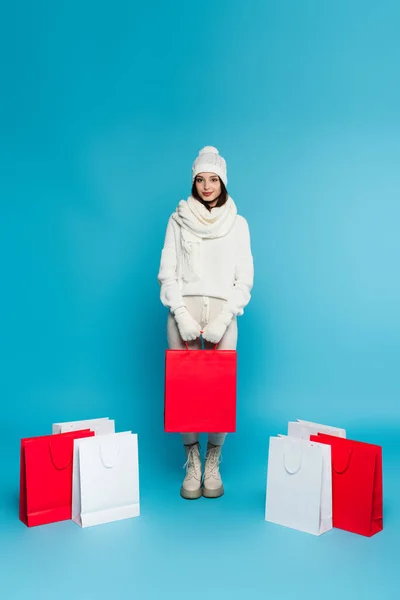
303	429
299	485
105	479
100	426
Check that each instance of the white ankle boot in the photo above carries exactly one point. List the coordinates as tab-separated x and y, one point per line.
212	482
191	487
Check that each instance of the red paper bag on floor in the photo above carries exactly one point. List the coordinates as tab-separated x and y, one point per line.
46	477
200	391
357	489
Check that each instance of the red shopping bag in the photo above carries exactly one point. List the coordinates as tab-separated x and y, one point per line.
200	391
46	477
357	488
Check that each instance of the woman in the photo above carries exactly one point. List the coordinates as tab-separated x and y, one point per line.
206	276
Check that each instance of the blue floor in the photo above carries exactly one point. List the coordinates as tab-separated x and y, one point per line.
201	549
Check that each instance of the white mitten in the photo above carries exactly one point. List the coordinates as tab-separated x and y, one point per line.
215	331
188	327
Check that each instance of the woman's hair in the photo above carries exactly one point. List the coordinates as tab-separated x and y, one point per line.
222	198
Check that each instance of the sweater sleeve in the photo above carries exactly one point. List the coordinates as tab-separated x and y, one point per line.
170	293
244	272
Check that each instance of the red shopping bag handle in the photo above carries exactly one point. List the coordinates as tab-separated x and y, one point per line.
341	462
187	346
62	456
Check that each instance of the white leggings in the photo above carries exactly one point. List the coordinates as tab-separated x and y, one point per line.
204	310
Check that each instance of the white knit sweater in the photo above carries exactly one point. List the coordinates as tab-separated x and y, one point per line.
223	267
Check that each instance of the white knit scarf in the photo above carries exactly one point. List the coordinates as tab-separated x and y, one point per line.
197	224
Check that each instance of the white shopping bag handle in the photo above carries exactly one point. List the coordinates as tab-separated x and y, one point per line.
292	460
109	454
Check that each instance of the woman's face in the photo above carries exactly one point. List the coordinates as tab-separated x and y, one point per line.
208	186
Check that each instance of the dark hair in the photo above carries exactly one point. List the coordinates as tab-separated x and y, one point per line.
221	200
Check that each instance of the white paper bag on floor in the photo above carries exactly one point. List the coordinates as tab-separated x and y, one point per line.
105	480
303	429
299	485
100	426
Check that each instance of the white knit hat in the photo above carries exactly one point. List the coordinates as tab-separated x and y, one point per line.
210	161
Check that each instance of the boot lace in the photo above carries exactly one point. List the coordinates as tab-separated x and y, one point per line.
192	463
213	460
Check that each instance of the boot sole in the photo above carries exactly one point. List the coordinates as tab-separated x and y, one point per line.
191	494
213	493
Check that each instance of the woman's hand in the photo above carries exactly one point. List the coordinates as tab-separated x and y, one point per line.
215	331
188	327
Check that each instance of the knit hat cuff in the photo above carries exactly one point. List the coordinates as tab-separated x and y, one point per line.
210	168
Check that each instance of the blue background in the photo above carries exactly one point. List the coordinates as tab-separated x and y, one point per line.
103	107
